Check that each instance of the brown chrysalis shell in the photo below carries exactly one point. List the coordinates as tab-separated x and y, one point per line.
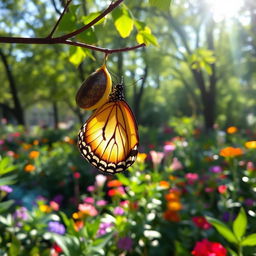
95	90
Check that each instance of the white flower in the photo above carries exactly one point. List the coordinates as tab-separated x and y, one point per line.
100	180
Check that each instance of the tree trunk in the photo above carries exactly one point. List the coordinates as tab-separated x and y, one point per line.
13	89
55	115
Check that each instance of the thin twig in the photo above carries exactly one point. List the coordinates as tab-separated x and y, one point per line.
58	21
111	7
105	50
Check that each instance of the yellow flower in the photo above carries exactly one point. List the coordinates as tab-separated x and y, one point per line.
250	144
29	168
232	129
141	157
231	152
34	154
45	208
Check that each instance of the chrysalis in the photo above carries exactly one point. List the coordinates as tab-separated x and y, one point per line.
95	90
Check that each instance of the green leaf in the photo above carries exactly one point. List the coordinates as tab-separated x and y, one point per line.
146	37
87	19
5	205
7	180
15	247
231	252
88	36
68	21
123	179
249	240
6	166
77	56
101	242
223	230
124	25
240	224
163	5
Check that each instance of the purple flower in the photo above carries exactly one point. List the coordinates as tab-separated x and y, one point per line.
118	210
249	202
6	189
125	243
58	199
103	228
56	227
21	213
215	169
228	216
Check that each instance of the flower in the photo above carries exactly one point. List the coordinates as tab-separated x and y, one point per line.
77	175
114	183
78	225
156	157
172	216
250	166
215	169
201	222
87	209
174	206
100	180
116	191
191	177
118	211
21	213
207	248
176	164
29	168
169	147
6	189
101	202
231	152
222	189
164	184
34	154
89	200
104	228
125	243
232	129
141	157
90	188
45	208
55	206
250	144
57	248
56	227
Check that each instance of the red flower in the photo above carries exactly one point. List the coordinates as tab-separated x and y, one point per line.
116	191
57	248
114	183
201	222
222	189
207	248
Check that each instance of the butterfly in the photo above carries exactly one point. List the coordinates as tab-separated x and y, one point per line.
109	138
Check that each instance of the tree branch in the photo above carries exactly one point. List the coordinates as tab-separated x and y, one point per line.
58	21
64	39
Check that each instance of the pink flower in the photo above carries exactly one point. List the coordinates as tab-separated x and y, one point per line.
10	153
55	206
176	164
118	211
77	175
209	190
88	209
169	147
100	180
191	177
101	203
207	248
89	200
201	222
250	166
156	157
91	188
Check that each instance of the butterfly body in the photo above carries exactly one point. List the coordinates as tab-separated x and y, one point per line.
109	138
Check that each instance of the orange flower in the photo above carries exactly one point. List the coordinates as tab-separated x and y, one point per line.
172	216
114	183
172	197
45	208
77	215
174	206
26	146
231	152
232	129
164	184
172	178
141	157
78	225
36	142
250	144
34	154
29	168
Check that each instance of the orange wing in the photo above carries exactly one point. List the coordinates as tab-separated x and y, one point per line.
109	139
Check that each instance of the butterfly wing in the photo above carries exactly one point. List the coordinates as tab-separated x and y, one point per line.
109	139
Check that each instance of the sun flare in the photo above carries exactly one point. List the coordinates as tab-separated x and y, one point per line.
224	9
